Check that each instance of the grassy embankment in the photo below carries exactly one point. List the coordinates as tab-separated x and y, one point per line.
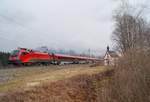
18	78
75	84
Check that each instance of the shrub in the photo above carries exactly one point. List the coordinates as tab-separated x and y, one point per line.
131	81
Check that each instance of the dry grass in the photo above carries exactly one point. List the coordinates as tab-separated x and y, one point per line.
80	88
131	81
14	78
25	78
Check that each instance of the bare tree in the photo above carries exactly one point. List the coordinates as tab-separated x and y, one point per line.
130	82
132	30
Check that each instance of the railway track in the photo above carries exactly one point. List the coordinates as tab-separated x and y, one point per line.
11	66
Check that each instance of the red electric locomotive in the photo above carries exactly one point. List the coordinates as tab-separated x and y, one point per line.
27	57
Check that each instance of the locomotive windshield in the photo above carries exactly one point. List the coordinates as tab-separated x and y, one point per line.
14	52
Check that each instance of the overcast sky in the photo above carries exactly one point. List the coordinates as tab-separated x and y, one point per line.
69	24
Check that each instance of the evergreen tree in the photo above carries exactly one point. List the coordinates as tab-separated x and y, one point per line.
4	58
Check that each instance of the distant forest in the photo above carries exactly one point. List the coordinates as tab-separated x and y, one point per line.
4	58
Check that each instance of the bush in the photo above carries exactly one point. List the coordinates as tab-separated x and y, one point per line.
131	81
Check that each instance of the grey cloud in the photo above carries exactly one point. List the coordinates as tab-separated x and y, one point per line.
71	24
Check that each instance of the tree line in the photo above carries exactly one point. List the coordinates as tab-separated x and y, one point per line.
4	58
